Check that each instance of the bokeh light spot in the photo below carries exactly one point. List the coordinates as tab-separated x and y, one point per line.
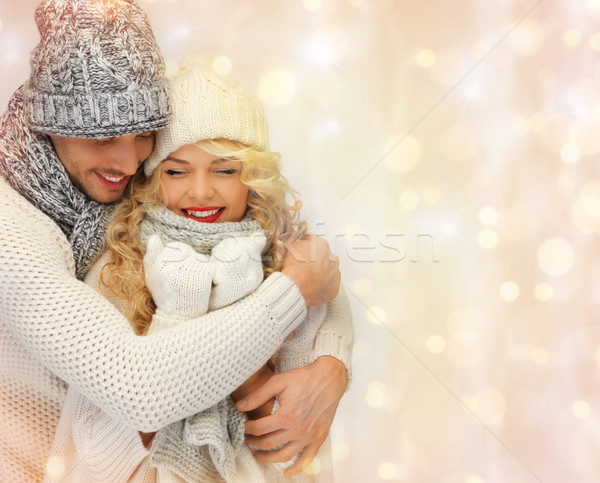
55	466
314	468
409	200
581	409
520	126
543	292
470	401
387	471
487	238
402	153
572	38
425	58
435	344
376	315
312	5
537	122
570	153
277	87
527	38
375	396
432	195
351	231
329	44
362	287
222	65
488	216
595	41
556	257
539	356
509	291
340	452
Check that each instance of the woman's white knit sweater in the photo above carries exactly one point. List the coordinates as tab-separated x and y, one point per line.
55	330
97	448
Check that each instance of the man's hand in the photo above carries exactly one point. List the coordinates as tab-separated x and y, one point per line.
308	398
314	269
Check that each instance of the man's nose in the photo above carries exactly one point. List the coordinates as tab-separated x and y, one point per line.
125	156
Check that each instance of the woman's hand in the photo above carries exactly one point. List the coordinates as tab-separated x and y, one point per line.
308	398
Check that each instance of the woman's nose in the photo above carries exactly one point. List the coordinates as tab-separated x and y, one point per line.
201	187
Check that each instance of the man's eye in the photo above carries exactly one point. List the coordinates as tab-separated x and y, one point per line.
104	142
144	137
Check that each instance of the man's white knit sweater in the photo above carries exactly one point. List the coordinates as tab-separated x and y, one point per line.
55	330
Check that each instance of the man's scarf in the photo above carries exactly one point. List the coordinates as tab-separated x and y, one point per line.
30	164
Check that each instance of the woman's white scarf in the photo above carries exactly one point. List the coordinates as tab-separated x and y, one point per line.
202	447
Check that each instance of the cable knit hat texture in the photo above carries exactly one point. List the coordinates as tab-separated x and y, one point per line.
97	71
207	105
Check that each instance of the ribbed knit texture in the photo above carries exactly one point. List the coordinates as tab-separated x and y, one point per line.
30	164
207	105
54	328
96	72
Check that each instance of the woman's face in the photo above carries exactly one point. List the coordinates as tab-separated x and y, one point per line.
203	187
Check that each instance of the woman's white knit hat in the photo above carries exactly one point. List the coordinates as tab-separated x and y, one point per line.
206	105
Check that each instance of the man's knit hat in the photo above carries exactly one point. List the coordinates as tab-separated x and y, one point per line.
207	105
97	71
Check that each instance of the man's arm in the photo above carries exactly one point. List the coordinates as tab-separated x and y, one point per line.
308	398
85	341
308	395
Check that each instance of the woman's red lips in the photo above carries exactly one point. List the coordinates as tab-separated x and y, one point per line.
208	214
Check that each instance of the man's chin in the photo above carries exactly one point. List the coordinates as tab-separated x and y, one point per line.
105	196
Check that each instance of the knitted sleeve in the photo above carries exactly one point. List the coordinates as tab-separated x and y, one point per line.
146	382
336	336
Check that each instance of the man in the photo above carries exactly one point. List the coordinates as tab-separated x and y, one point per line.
69	141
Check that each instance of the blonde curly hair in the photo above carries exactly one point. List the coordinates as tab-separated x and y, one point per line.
271	201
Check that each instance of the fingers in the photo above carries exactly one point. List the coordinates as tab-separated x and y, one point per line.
267	425
280	455
155	246
260	396
270	440
304	460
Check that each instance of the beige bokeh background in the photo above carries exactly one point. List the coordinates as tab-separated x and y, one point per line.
448	152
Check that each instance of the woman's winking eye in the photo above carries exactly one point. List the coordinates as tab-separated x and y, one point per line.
173	172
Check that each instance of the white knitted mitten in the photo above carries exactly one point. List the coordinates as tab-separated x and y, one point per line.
178	278
238	268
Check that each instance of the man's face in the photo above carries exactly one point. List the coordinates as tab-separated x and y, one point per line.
101	168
